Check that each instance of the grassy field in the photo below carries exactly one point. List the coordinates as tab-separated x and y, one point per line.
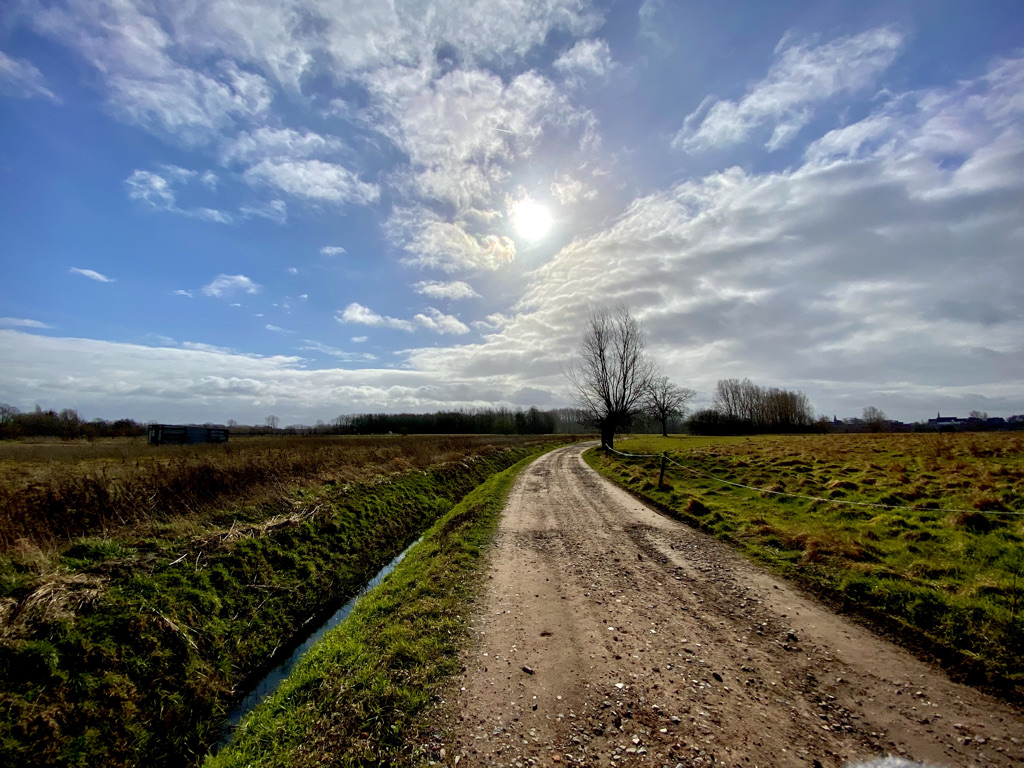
922	534
52	492
356	697
129	645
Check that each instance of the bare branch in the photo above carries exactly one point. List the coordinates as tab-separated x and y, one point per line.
610	378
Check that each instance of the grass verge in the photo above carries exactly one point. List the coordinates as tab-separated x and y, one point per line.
132	651
946	583
353	699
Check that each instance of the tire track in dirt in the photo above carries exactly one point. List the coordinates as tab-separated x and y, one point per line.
610	634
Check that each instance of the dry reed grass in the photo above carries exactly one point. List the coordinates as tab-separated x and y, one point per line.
53	492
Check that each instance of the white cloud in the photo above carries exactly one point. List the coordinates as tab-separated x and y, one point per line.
287	143
332	250
199	382
431	319
463	129
875	273
492	322
340	354
569	191
591	58
274	210
20	78
433	242
186	294
276	329
22	322
91	274
152	189
801	76
228	285
313	180
293	270
145	83
357	313
359	339
157	193
438	322
436	289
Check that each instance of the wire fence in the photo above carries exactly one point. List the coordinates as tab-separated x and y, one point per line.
847	502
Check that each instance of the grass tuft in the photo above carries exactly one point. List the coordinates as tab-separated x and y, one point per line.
357	694
949	583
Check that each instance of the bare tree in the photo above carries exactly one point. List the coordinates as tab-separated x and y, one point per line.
874	418
611	377
273	422
7	413
665	400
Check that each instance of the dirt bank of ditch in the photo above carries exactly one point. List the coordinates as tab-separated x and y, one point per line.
610	634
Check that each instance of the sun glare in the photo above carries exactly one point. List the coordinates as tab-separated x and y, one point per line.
531	220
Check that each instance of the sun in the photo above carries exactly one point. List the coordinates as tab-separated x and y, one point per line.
531	220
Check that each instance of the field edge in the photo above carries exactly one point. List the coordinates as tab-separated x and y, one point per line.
359	694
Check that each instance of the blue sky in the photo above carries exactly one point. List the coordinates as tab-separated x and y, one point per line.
225	210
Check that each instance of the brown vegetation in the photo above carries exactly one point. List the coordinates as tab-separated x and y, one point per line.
52	492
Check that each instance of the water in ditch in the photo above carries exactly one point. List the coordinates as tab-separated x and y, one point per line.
276	676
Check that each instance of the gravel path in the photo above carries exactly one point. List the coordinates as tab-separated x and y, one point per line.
610	634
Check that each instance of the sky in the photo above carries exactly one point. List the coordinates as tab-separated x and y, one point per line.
306	208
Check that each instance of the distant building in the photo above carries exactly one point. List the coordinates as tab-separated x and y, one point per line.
174	434
947	422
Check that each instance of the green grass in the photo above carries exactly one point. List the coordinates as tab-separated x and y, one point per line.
355	697
944	570
129	651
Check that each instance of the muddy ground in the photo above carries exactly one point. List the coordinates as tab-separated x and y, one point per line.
610	634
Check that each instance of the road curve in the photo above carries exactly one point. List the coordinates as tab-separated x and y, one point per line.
610	634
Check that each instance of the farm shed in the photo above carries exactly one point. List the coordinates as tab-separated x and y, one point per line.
174	434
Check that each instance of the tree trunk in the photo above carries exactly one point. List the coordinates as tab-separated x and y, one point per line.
607	435
664	427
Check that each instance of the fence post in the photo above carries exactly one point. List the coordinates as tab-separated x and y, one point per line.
661	477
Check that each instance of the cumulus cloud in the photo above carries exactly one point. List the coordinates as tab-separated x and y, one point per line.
189	383
22	79
877	272
357	313
313	180
186	294
464	133
436	289
145	83
263	142
438	322
332	250
463	129
492	322
91	274
587	58
431	241
431	319
228	285
801	76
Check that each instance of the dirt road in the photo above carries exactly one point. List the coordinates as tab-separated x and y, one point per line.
610	634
